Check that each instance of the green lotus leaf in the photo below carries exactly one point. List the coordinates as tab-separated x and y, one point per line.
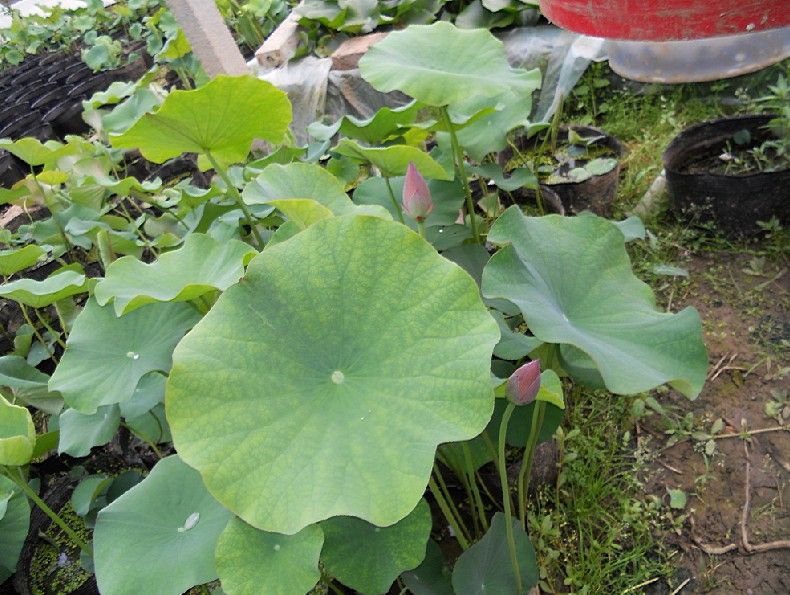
571	277
551	389
393	160
386	122
222	117
376	368
39	294
86	492
430	577
150	392
441	65
17	434
106	356
13	261
369	558
32	151
298	180
251	561
79	432
162	532
18	375
302	211
14	525
201	265
486	568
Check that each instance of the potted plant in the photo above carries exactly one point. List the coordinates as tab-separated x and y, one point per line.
734	172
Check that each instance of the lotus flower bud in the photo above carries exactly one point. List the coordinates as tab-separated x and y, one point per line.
417	201
524	384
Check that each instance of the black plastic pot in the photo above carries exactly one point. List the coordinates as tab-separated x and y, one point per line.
552	203
597	193
734	203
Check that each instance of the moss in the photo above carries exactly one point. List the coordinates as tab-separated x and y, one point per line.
55	568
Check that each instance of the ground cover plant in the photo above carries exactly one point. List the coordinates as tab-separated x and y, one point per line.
309	369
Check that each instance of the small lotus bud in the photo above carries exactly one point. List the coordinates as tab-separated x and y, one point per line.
417	202
524	384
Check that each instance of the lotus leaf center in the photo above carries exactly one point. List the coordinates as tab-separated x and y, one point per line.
338	377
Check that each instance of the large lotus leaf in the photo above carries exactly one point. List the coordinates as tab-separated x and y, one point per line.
201	265
440	64
159	537
251	561
14	525
486	567
394	160
369	558
13	261
298	180
17	434
385	123
79	432
571	277
39	294
222	117
106	356
322	382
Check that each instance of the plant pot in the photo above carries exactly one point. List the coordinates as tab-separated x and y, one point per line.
598	192
552	203
734	203
65	574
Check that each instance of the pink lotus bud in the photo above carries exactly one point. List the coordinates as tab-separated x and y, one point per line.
524	384
417	201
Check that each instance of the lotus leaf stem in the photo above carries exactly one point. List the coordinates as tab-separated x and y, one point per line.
472	479
234	192
36	332
460	172
394	200
451	503
511	540
525	472
448	515
16	477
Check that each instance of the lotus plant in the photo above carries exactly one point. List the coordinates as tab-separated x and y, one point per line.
417	202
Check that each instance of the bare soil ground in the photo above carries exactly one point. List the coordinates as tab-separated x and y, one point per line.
747	332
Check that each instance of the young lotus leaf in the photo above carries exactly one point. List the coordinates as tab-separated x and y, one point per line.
394	160
14	525
39	294
341	359
13	261
386	122
486	568
571	277
106	356
441	64
201	265
17	434
369	558
222	117
160	536
302	211
298	180
251	561
79	432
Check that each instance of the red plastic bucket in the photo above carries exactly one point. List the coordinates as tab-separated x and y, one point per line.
666	20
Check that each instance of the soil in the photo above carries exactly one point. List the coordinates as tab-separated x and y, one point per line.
747	332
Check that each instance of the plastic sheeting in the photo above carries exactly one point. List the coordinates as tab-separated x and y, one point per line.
315	90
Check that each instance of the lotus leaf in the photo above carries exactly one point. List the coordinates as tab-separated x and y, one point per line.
222	117
486	568
17	434
39	294
79	432
13	261
370	558
159	537
430	577
393	160
386	122
201	265
14	525
321	384
106	356
571	277
298	180
251	561
441	65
